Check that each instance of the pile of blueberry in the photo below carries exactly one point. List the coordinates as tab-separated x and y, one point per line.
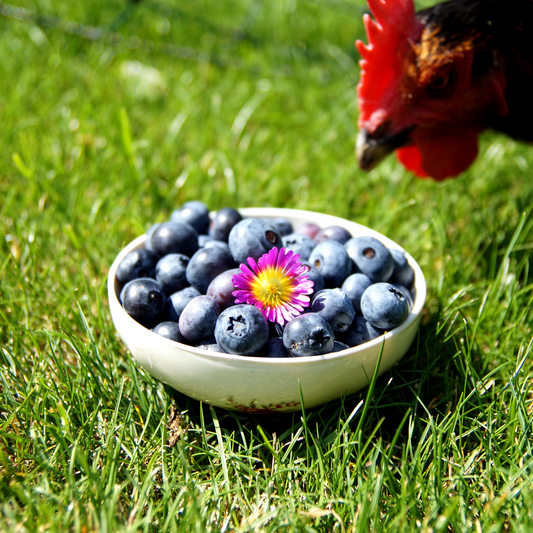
180	285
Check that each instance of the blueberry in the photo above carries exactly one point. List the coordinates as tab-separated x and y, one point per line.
221	288
335	306
169	330
137	264
241	329
177	302
308	334
331	259
149	233
252	237
371	257
216	244
274	348
339	346
144	300
316	277
197	321
203	240
223	223
308	228
170	272
275	329
206	264
405	291
354	286
300	244
283	226
334	233
384	306
360	331
174	238
403	273
194	213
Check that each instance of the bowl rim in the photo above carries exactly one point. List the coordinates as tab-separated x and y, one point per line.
269	213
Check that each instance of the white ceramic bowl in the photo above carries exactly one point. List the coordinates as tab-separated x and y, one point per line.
264	385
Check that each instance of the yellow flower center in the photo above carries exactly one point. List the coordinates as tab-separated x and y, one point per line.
272	288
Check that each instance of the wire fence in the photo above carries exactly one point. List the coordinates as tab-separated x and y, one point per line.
109	34
99	33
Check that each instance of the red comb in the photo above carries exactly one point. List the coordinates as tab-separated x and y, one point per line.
394	25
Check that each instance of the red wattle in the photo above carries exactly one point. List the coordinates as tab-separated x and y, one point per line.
440	156
411	159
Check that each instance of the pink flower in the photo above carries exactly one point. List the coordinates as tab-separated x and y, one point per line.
278	285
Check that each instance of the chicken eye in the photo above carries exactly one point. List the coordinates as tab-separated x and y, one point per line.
440	82
440	85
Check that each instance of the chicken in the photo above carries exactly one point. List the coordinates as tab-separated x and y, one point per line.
432	81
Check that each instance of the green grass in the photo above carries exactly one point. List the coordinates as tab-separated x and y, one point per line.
250	104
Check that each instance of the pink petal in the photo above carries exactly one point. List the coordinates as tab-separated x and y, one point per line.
253	264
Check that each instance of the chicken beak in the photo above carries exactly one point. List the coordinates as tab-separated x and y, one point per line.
370	150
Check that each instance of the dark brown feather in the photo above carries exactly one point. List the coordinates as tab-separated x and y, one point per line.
502	34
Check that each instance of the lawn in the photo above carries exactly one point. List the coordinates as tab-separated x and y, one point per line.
112	115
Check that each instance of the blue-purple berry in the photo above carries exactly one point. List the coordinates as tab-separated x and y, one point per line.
339	346
177	302
169	330
137	264
149	233
223	223
308	228
384	306
331	259
206	264
144	300
308	334
371	257
406	292
300	244
222	288
216	244
241	329
316	277
283	225
253	238
335	306
194	213
170	272
174	237
360	331
402	273
273	348
354	286
334	233
197	321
